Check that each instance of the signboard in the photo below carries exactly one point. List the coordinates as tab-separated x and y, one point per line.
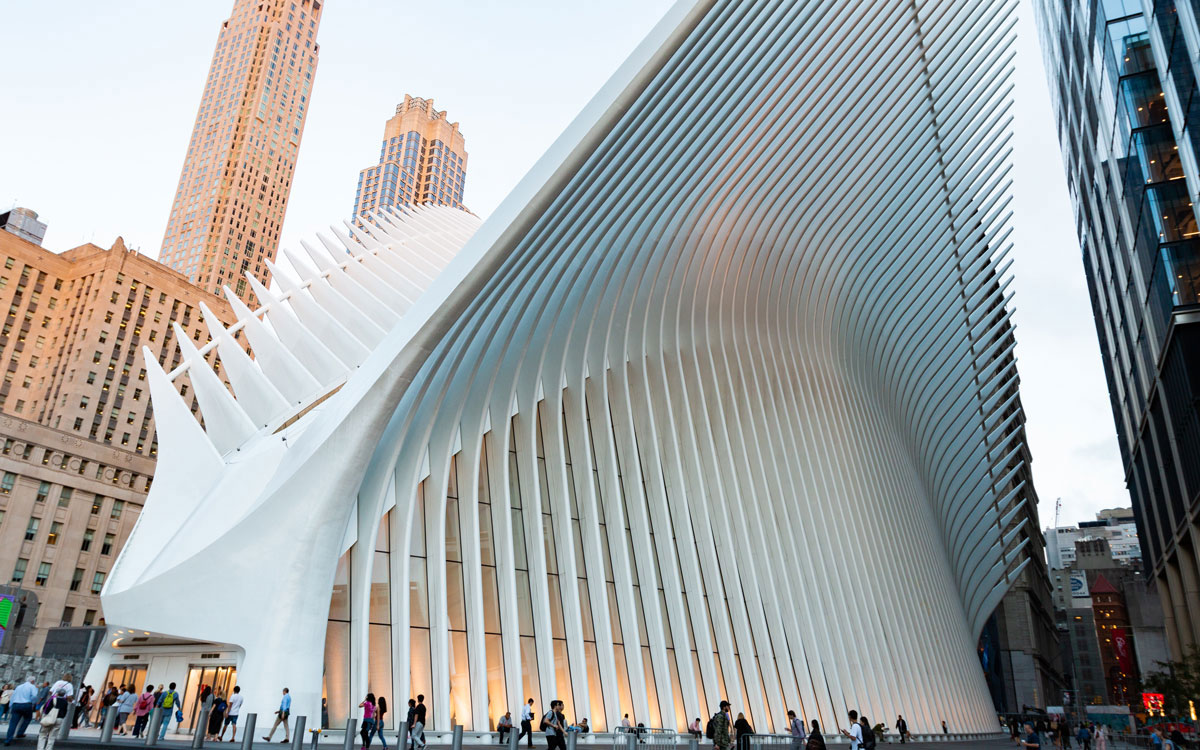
1153	702
1079	587
1124	656
7	605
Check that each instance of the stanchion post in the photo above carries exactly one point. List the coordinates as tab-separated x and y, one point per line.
402	736
693	743
248	731
200	729
106	729
456	741
513	739
572	738
351	728
298	735
630	741
64	729
156	720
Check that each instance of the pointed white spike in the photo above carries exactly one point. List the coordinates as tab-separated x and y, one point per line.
261	401
285	372
298	339
226	423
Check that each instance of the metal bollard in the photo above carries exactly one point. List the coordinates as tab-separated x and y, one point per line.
351	728
200	729
456	741
402	736
248	731
298	735
572	738
106	731
693	744
64	728
630	740
513	741
156	720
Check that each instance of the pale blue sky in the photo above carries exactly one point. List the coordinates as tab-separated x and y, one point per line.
98	99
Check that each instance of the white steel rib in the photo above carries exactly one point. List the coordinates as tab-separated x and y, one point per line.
720	403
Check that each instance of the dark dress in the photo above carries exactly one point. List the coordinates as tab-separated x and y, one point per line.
744	730
217	716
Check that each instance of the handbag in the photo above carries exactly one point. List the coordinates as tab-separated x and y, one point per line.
50	718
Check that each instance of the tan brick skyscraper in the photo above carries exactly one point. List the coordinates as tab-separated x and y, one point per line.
423	159
233	190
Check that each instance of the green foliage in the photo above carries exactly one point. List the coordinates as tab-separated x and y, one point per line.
1179	682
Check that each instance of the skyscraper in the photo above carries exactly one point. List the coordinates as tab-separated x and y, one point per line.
1126	102
237	175
422	159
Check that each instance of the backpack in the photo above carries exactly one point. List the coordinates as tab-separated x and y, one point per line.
546	719
169	699
868	742
708	728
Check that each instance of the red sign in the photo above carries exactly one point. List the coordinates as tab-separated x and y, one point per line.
1124	653
1153	701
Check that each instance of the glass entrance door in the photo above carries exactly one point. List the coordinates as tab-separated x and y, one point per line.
220	679
133	675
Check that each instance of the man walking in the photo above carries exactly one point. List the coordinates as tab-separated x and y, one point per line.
902	729
720	727
552	726
796	727
235	708
855	731
418	727
168	701
20	709
526	722
281	717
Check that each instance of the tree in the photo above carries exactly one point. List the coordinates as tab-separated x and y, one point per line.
1179	682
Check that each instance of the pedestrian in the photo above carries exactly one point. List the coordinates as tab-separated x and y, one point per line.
169	702
1085	737
854	731
83	707
1031	738
1064	730
796	728
216	717
868	733
141	710
526	722
232	713
695	729
719	726
555	734
5	698
66	684
43	694
281	717
902	729
744	731
368	720
324	713
418	726
54	712
625	722
381	709
125	705
1101	737
816	741
1177	738
945	729
504	726
411	720
20	709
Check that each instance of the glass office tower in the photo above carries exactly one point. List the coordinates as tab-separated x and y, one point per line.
1123	80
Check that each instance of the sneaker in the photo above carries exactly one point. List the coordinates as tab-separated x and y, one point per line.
285	741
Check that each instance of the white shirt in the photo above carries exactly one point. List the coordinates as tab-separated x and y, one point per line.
526	713
235	704
855	735
62	685
625	723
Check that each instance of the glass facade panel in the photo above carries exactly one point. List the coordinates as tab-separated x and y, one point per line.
497	690
460	680
336	682
381	600
379	670
420	671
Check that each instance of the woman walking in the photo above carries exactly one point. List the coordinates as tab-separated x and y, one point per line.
141	710
815	740
216	717
54	711
5	696
744	730
368	721
381	708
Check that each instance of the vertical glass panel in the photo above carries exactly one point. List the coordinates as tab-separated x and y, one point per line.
639	607
514	483
562	678
452	478
487	554
460	681
543	484
420	670
577	541
595	691
491	601
339	602
585	611
623	693
520	561
456	606
556	613
336	682
614	618
548	540
381	606
485	493
417	544
418	589
676	693
383	539
571	499
1183	272
703	697
497	692
651	689
524	606
666	621
529	674
720	674
379	670
453	551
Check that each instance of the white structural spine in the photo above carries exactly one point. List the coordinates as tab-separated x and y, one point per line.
742	334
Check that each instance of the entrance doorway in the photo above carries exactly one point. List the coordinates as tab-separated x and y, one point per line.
220	679
126	674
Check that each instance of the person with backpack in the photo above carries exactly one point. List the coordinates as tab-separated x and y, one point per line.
816	741
53	713
141	710
552	726
1085	737
796	727
169	702
417	728
718	727
854	732
868	733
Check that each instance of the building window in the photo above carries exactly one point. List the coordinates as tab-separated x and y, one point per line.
64	497
43	492
55	530
32	529
19	570
88	536
91	378
76	579
97	583
96	503
6	484
106	548
68	617
117	507
89	617
43	574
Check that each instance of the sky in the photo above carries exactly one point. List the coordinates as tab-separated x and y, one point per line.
98	103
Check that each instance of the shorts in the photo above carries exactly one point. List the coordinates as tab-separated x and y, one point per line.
230	720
